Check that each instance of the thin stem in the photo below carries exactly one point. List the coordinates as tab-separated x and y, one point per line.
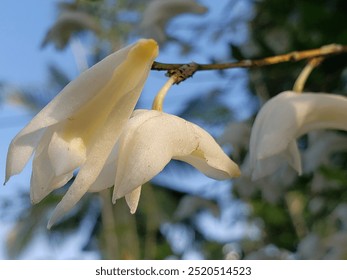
295	206
111	246
305	73
292	56
159	99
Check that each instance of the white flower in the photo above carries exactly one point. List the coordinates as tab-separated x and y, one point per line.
80	126
286	117
339	215
148	143
269	252
331	247
69	22
237	135
311	247
159	12
272	188
336	246
321	183
321	147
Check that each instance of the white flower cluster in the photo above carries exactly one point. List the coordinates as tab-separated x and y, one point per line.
273	154
92	126
274	160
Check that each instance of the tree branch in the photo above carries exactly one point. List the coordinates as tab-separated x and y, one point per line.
187	70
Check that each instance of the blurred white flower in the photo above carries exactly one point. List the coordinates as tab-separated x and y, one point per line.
272	187
321	182
69	22
80	126
316	204
237	135
190	205
336	246
321	147
286	117
149	141
332	247
339	215
159	12
270	252
311	247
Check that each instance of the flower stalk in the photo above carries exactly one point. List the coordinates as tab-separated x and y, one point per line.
305	73
159	99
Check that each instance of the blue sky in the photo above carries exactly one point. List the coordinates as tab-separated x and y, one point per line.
22	29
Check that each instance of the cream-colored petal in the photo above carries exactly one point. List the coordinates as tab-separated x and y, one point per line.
105	179
66	156
43	178
43	181
133	198
209	158
146	146
61	180
284	118
19	152
321	111
95	162
151	139
321	148
293	156
75	95
266	166
131	76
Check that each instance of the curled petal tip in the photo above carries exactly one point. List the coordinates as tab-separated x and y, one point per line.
132	199
7	177
50	224
147	48
236	172
34	201
150	43
114	200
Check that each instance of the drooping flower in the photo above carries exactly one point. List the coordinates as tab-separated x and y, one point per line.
147	144
80	126
271	188
286	117
331	247
69	22
237	135
321	147
159	12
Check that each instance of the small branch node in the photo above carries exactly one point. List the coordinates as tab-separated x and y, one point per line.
184	72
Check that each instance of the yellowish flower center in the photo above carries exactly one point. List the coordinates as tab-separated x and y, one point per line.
85	123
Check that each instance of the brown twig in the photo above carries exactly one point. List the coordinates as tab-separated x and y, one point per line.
292	56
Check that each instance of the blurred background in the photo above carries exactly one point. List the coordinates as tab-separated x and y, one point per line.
182	214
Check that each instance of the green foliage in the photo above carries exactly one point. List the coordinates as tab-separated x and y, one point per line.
281	27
